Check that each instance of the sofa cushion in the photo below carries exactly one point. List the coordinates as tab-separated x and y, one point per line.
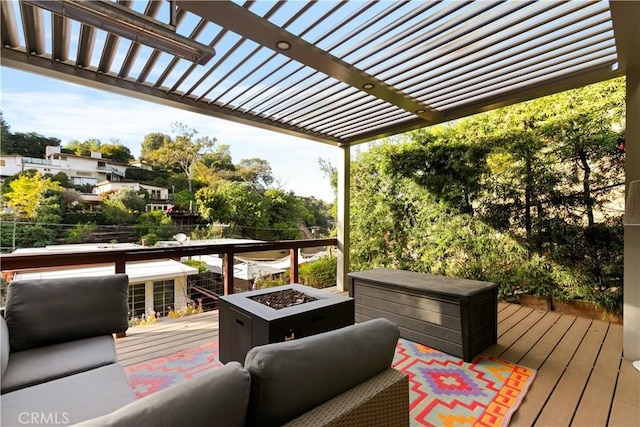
216	398
42	312
4	346
290	378
38	365
68	400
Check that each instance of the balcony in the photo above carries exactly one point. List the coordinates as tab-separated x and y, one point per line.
118	257
581	379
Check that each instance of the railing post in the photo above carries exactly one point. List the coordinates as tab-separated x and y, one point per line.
121	268
293	265
227	272
121	265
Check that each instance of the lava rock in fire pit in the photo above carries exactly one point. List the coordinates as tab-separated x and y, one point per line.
283	299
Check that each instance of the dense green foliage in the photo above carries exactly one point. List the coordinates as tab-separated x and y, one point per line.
320	273
153	226
114	151
527	196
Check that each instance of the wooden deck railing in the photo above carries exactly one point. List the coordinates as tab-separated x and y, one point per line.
11	263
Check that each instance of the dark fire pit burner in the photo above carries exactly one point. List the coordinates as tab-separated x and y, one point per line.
245	321
283	299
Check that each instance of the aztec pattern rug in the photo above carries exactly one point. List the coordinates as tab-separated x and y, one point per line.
157	374
447	391
444	390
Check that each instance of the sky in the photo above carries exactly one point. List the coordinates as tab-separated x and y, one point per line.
53	108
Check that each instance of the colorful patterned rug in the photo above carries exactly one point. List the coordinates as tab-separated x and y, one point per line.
444	390
157	374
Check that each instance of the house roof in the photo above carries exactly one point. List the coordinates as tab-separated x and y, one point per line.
138	272
342	72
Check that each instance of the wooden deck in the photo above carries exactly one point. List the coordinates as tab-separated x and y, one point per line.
582	379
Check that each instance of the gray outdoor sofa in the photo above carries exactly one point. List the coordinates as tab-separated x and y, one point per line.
59	368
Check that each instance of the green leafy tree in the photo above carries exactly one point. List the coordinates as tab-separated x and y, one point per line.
153	226
215	166
255	170
285	213
448	166
183	152
79	232
61	178
36	236
83	148
123	206
116	152
521	196
31	196
5	134
184	200
239	205
152	142
29	144
139	174
318	216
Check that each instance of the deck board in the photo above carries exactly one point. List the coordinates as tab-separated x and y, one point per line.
564	345
625	410
529	340
506	322
566	396
581	380
146	342
508	338
598	395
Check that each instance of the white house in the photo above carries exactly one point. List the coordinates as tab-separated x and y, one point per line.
158	196
141	164
80	170
153	285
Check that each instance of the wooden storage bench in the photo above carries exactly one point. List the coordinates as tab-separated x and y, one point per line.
457	316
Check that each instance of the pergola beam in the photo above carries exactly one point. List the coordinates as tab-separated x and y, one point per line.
241	21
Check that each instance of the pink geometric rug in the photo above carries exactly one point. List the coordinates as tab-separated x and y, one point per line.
447	391
443	389
157	374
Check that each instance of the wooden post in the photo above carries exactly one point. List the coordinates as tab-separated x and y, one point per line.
227	272
293	268
121	265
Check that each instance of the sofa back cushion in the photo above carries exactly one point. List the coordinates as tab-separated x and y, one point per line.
4	346
218	397
42	312
290	378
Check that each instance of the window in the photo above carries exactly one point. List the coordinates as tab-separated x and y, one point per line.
163	296
136	300
79	180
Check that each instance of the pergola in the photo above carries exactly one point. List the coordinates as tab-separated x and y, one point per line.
341	72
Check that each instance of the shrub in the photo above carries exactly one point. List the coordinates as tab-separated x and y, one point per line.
320	273
271	281
79	232
192	307
200	265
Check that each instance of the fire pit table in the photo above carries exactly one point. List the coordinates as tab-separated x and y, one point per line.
246	321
